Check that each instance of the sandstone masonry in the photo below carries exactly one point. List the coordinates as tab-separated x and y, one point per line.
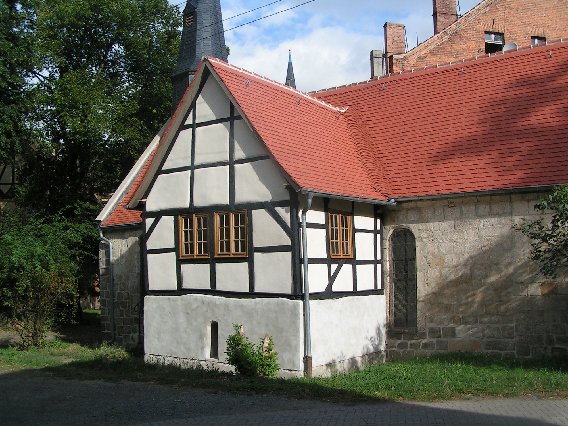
478	291
122	302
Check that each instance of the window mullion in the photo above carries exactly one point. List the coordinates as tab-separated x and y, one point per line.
231	234
340	232
194	234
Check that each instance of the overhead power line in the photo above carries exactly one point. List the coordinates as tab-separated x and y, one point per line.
261	18
242	13
247	12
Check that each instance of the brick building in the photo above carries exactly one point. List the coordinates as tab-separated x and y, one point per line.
487	28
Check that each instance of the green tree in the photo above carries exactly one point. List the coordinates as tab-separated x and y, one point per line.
84	86
101	90
550	237
16	70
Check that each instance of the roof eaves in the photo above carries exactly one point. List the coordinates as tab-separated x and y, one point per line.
121	226
383	202
499	191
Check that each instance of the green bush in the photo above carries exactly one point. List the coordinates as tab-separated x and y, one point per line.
550	237
251	360
38	268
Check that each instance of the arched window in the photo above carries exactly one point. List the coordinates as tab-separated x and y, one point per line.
403	273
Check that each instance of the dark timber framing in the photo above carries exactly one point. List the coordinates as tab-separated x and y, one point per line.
291	226
334	265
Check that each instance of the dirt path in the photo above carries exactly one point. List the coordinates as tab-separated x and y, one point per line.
32	397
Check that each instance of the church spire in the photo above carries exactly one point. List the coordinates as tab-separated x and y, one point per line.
202	35
290	80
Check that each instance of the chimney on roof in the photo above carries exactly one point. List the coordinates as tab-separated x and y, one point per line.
290	80
444	14
395	45
376	57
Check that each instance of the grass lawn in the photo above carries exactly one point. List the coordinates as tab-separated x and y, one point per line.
444	377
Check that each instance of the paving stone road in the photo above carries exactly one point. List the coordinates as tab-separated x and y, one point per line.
34	398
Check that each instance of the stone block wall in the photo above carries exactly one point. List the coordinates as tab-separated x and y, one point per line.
518	20
122	302
477	289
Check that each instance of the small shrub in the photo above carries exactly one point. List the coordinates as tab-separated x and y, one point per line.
251	360
110	353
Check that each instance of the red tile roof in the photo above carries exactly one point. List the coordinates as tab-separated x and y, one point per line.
313	142
491	124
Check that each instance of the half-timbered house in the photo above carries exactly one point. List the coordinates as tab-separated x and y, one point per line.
221	201
362	221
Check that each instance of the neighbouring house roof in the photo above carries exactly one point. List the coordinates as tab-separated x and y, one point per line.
437	39
496	123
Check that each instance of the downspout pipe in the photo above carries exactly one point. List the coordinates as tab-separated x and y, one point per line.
307	326
111	283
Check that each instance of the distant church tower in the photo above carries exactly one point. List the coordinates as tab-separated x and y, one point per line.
202	35
290	80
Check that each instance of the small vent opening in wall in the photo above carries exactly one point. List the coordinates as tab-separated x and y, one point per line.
214	339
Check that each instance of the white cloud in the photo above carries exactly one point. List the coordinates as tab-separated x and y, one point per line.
322	58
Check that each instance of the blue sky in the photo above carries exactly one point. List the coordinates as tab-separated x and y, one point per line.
330	39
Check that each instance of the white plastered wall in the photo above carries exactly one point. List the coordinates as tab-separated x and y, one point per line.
266	232
170	191
162	271
178	326
346	329
212	143
211	186
273	272
162	237
196	276
363	220
247	144
233	277
259	181
212	103
180	154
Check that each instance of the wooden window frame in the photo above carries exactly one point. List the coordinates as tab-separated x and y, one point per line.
340	232
231	252
195	233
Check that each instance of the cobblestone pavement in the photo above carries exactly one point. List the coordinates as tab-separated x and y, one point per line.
31	398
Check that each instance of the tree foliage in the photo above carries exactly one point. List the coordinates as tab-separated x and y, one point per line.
16	68
39	266
84	86
99	89
550	237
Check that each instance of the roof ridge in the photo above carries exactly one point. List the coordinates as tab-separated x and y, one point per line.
467	61
280	85
362	143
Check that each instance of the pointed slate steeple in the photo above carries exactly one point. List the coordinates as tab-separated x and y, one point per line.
290	80
202	35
